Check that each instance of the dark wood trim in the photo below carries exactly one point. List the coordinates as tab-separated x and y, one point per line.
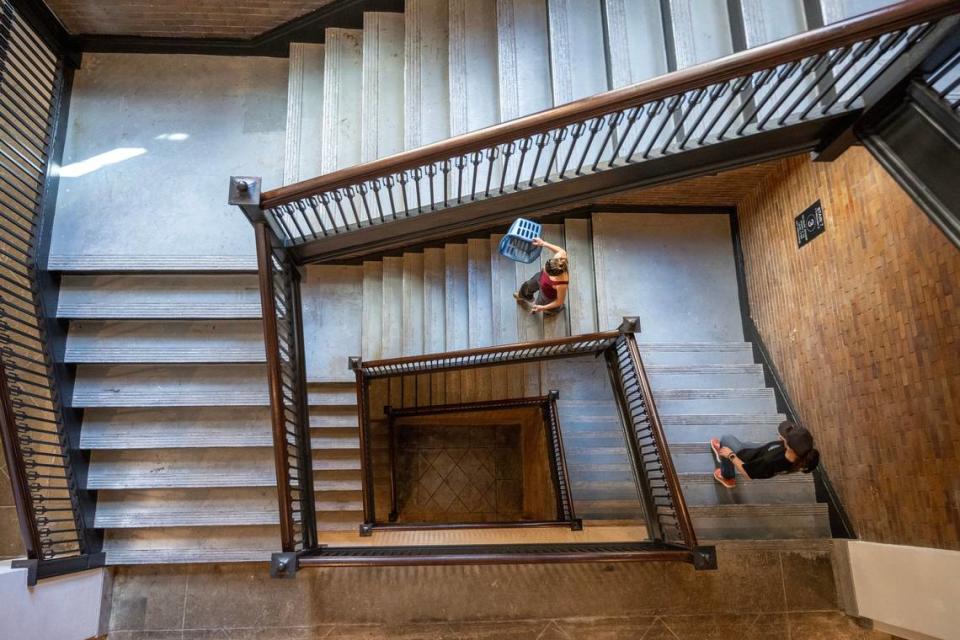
733	66
918	143
48	27
271	342
499	554
439	526
272	43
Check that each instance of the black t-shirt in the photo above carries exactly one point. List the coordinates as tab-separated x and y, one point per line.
766	460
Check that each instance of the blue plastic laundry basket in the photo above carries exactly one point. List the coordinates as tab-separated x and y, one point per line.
517	244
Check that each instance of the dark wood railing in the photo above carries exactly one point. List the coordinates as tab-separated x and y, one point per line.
667	518
658	484
45	466
828	74
565	510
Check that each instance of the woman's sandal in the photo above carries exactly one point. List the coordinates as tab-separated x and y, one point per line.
729	484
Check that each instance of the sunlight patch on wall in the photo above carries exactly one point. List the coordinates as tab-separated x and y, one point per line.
120	154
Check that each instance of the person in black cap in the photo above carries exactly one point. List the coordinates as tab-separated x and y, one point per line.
793	451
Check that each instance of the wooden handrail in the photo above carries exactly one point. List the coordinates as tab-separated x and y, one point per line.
838	34
539	345
669	471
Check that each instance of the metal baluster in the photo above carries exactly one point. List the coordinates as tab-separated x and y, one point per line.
417	176
302	208
559	136
278	215
691	103
445	169
856	54
888	42
492	154
717	91
338	200
576	133
508	150
363	190
524	146
325	201
542	139
745	101
828	63
613	121
431	172
376	186
475	159
350	195
632	114
674	104
460	162
403	179
314	203
918	33
734	91
389	182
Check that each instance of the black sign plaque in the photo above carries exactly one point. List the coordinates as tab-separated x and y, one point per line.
809	224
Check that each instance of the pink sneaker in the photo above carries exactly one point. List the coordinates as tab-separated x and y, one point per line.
729	484
715	446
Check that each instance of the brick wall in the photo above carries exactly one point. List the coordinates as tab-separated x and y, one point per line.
179	18
863	324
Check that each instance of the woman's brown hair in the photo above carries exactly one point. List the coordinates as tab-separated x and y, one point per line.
556	266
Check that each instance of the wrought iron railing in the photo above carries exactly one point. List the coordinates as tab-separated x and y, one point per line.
658	484
565	512
283	339
779	87
46	468
945	81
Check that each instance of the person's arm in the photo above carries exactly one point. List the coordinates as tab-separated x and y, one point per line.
728	453
558	252
561	296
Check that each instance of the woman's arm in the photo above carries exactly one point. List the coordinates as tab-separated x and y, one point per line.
728	453
561	296
558	252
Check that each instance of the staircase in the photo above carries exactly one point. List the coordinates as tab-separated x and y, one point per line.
168	350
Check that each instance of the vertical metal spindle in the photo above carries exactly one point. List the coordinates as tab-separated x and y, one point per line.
691	103
576	133
508	150
559	136
805	68
460	162
524	146
595	127
417	176
542	139
363	189
828	63
673	106
632	114
431	172
717	91
612	121
445	169
735	89
314	204
403	179
389	182
856	54
302	207
475	159
376	198
492	154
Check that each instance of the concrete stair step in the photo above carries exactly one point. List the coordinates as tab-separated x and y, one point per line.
705	376
371	332
159	296
523	57
635	42
342	98
123	428
472	55
605	489
203	544
304	96
694	353
179	508
333	416
671	401
335	460
187	468
577	49
392	308
170	385
702	427
701	31
582	291
768	21
346	442
382	105
760	521
140	264
176	341
426	113
794	488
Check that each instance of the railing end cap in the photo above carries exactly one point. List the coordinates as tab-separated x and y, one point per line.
630	324
244	191
354	363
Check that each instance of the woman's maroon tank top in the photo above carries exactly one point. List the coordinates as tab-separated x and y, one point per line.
547	288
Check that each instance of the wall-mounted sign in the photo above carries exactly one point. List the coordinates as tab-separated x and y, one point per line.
809	224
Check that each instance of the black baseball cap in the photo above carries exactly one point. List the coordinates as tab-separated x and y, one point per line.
797	437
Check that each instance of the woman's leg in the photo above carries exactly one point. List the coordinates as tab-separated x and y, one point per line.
726	467
529	288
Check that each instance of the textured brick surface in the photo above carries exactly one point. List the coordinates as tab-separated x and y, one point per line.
179	18
864	325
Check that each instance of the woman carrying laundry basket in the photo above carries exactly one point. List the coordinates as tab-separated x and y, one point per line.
549	285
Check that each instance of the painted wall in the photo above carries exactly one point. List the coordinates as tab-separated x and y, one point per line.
910	591
863	324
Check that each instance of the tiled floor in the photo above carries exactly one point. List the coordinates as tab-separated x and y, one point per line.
756	593
794	626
